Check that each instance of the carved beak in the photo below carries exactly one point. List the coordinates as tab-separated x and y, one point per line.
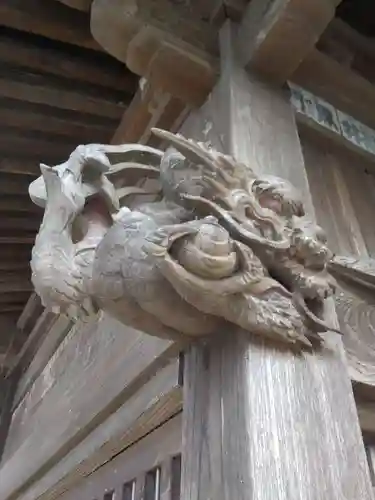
37	188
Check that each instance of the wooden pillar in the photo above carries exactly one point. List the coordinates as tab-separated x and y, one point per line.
261	423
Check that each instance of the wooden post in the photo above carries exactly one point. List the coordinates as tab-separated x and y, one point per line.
261	423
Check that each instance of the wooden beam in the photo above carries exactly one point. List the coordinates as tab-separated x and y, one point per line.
16	265
81	129
20	204
141	438
48	19
167	43
19	166
40	90
17	240
343	129
78	4
341	32
252	452
43	147
18	297
41	326
337	84
46	347
150	107
78	65
10	185
94	403
16	286
275	36
147	23
7	308
7	388
11	276
366	414
16	254
227	9
30	224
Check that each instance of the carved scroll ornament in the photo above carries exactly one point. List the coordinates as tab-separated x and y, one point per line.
179	243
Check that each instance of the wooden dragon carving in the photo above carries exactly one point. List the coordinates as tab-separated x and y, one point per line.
179	243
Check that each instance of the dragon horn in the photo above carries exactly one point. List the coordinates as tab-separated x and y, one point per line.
189	149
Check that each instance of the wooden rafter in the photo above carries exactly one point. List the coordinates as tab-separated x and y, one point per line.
49	19
55	59
289	30
337	84
41	90
18	116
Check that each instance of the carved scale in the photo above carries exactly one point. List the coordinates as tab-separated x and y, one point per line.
178	243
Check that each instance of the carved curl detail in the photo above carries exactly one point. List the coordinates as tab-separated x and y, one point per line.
179	243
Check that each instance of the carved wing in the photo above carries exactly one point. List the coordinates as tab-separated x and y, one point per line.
100	167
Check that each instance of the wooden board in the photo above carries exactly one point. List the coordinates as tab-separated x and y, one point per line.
339	85
275	36
155	403
47	347
23	119
40	91
107	363
154	451
49	19
150	107
38	55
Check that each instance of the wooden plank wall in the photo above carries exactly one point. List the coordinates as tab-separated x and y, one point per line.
342	185
97	367
157	450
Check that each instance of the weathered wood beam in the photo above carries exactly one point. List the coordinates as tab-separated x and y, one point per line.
78	4
10	184
117	26
40	90
186	68
129	350
366	414
22	204
7	388
15	265
341	128
31	223
141	438
82	128
42	147
165	42
341	32
255	452
7	308
19	166
17	254
16	240
227	9
20	297
152	405
150	107
48	19
6	277
337	84
47	346
78	65
15	286
38	329
274	37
